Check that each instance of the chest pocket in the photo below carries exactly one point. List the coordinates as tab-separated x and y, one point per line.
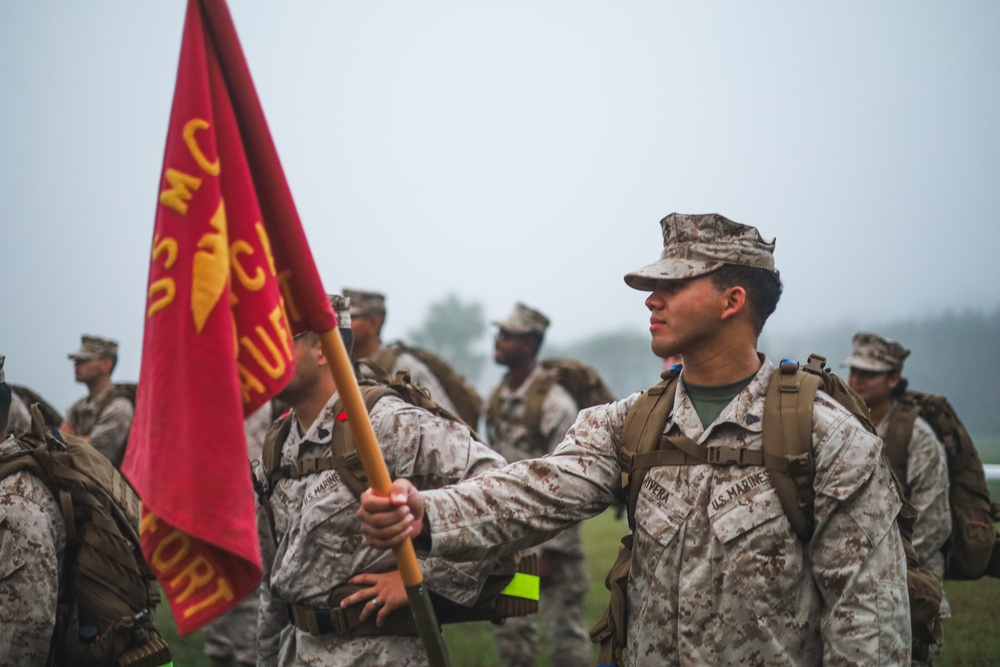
762	557
321	509
660	513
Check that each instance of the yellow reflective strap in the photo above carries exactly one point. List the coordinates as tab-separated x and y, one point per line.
523	586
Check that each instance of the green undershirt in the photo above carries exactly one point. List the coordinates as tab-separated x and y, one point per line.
709	402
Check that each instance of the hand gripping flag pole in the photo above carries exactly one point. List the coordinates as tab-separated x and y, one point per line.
378	476
251	117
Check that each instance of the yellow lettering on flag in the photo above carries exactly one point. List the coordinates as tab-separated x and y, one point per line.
280	324
241	247
179	193
284	278
248	383
165	286
274	365
265	242
192	126
223	593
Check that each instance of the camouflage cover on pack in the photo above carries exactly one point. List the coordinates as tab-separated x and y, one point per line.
467	401
107	594
971	551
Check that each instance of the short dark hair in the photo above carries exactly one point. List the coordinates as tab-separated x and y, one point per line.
310	337
900	388
763	289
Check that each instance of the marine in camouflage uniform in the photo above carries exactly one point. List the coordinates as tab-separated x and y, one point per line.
32	540
318	545
104	424
876	365
564	581
718	576
231	639
367	317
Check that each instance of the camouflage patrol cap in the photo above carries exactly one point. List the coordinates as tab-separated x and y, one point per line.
365	303
876	354
95	347
524	320
696	244
342	307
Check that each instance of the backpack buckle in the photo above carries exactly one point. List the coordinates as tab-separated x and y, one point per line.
788	366
799	464
625	459
352	459
725	455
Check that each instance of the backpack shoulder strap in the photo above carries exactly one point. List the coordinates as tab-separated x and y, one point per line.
385	357
787	442
344	455
641	437
899	432
271	453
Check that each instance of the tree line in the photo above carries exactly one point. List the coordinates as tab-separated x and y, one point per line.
954	353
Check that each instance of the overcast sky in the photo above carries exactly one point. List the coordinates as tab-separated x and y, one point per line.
517	151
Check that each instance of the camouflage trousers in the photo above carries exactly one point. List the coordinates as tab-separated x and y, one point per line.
561	617
231	639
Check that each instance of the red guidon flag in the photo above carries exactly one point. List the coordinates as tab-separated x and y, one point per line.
231	280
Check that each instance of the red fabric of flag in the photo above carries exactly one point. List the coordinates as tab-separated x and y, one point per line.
231	279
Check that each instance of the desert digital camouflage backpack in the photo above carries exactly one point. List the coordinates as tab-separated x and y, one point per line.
467	401
511	589
107	593
971	550
787	458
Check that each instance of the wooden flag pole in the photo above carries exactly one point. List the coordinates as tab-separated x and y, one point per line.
378	477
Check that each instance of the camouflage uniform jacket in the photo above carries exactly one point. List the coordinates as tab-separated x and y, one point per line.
718	577
32	540
318	543
927	483
419	375
509	436
107	431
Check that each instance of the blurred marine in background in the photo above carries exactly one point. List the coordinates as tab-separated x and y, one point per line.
527	415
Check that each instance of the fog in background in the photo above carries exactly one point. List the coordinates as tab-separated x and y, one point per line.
517	151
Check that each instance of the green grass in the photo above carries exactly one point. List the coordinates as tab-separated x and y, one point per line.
971	637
